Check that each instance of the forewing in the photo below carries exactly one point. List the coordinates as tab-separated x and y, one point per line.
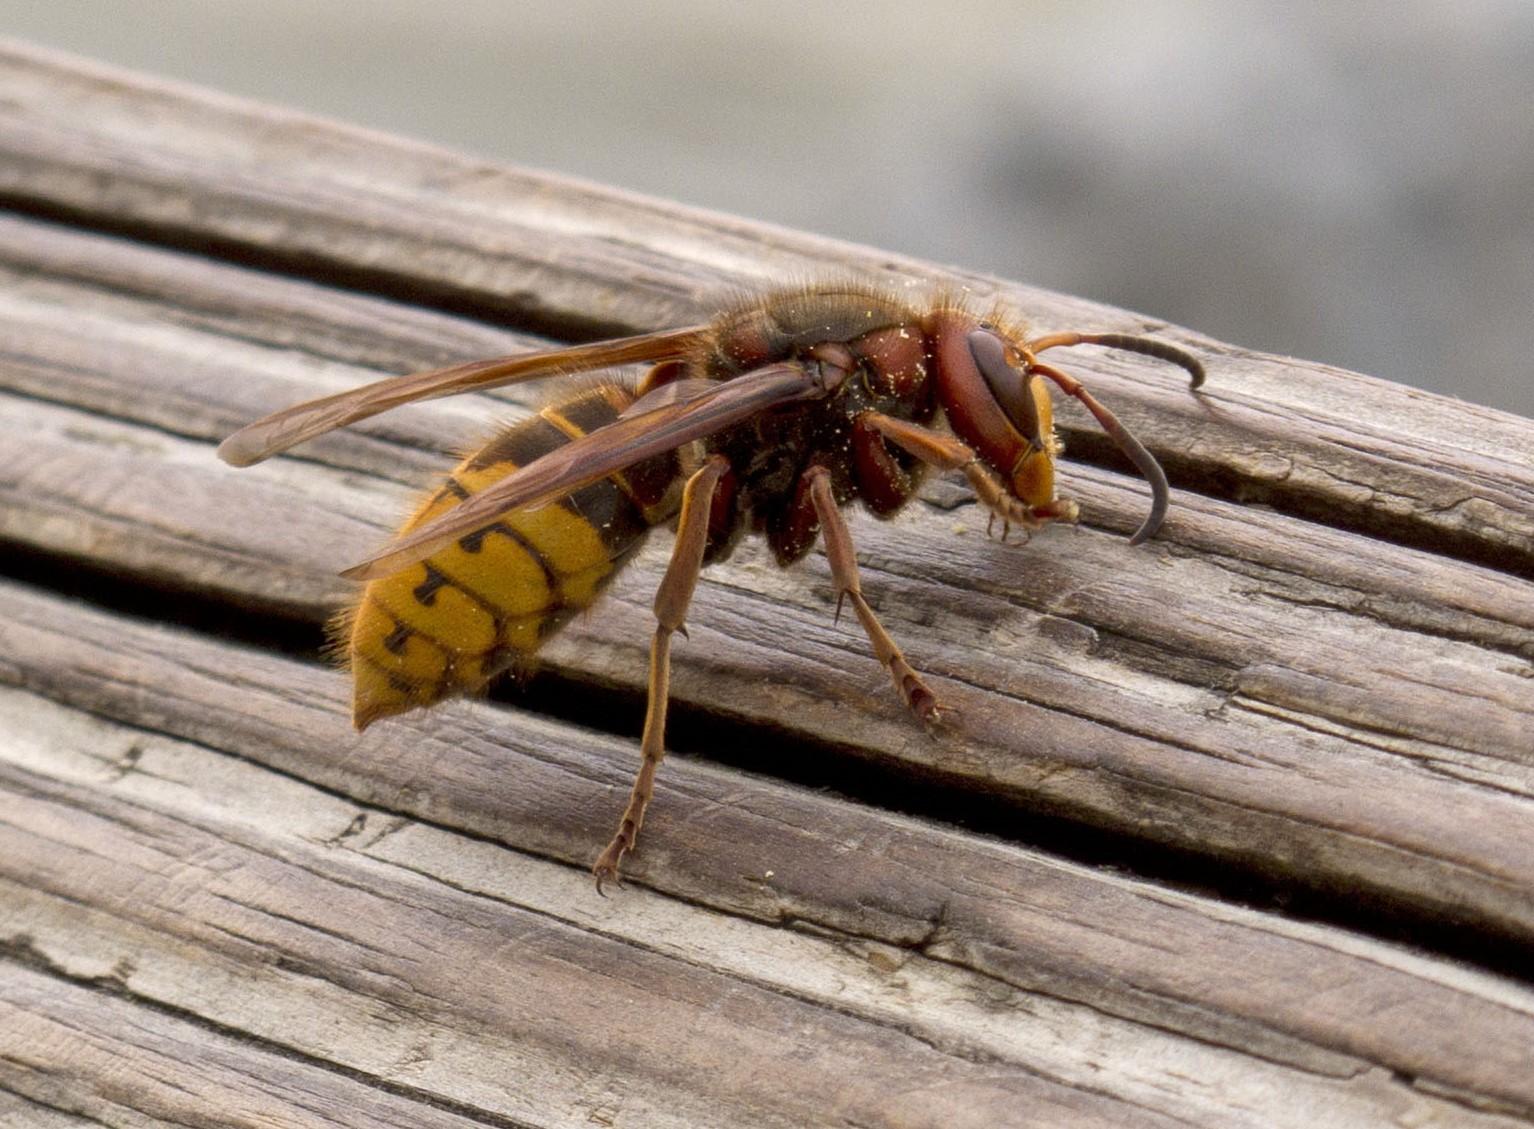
291	426
629	440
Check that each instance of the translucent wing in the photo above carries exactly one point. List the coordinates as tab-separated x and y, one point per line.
631	439
291	426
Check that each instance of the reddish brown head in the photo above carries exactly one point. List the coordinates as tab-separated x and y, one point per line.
1002	412
989	382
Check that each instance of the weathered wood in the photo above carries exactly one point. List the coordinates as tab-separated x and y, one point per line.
1281	695
17	1112
277	187
195	851
156	1068
925	977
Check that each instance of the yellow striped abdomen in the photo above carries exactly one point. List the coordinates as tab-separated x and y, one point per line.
446	626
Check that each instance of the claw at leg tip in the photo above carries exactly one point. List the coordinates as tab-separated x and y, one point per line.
605	871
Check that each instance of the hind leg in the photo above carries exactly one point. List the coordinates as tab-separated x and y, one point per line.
671	602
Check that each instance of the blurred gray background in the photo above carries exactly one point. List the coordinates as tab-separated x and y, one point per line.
1349	183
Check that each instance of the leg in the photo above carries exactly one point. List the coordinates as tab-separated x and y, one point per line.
844	570
949	453
671	601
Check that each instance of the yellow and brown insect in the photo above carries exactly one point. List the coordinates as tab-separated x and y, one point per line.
768	419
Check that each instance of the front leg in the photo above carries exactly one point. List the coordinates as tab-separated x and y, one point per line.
948	453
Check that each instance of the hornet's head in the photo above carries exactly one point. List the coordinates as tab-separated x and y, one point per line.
992	388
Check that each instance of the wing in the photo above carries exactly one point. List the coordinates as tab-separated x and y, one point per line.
291	426
630	439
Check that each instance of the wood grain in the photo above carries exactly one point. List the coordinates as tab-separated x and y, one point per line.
1280	695
278	188
939	979
219	906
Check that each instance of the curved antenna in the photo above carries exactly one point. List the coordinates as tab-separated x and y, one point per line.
1145	346
1143	460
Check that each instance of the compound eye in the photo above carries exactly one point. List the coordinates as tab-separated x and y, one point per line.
1010	387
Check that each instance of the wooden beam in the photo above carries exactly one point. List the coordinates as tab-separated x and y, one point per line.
280	189
206	876
1279	695
190	825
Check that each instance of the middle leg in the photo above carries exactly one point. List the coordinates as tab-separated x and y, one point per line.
844	570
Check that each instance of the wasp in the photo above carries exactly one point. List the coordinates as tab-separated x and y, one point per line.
769	419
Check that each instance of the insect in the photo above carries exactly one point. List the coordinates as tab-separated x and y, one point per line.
768	419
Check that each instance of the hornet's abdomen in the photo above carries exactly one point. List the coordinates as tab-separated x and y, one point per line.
446	626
